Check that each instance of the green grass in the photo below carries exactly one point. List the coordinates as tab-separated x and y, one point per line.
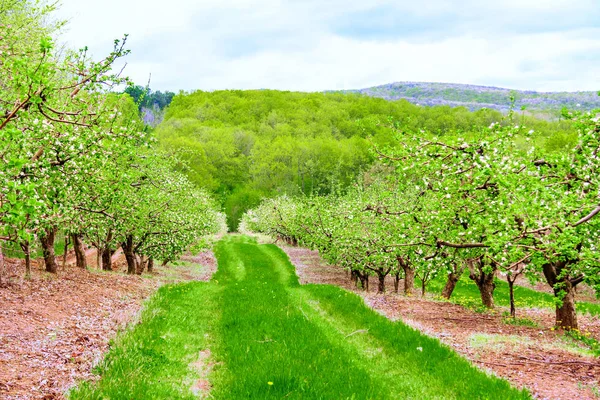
13	250
271	338
467	294
151	360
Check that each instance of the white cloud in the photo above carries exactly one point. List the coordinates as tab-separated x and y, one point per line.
294	45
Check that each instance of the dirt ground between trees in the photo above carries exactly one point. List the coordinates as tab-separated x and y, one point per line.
55	328
538	358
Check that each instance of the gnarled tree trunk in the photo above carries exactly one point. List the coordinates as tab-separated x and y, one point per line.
80	259
47	241
453	278
484	280
563	285
396	282
127	247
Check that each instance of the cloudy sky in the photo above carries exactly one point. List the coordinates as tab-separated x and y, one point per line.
313	45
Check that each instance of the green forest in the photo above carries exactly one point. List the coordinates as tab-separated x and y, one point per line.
247	145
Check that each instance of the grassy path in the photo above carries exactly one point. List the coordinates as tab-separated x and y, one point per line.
272	338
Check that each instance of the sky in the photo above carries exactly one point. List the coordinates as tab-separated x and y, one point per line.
315	45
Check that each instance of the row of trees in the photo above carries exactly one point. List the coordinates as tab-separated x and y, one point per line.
76	157
480	202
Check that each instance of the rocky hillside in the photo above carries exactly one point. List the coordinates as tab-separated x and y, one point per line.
476	97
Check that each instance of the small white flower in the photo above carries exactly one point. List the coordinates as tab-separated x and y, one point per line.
420	348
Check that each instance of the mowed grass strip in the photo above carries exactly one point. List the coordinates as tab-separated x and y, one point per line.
152	360
277	339
265	346
272	338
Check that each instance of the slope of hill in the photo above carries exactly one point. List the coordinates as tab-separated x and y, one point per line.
477	97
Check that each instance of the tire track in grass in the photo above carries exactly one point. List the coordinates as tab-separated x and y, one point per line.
265	348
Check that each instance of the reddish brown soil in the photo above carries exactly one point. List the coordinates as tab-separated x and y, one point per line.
55	328
539	358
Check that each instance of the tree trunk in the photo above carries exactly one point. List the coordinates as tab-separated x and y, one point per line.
487	292
354	277
409	280
98	258
450	285
65	251
484	280
27	251
511	294
81	261
141	264
423	287
47	242
566	314
127	247
150	265
396	282
107	259
363	278
1	264
381	285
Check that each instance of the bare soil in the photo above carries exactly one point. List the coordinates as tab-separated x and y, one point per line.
537	358
55	328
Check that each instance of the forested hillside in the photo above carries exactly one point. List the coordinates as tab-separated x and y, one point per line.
246	145
476	97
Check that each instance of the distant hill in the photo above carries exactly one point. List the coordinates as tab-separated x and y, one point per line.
476	97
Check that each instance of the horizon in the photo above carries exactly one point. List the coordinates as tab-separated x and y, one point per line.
531	45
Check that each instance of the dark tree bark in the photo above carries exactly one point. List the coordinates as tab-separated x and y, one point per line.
396	282
80	259
27	251
363	278
511	294
381	274
354	277
484	280
47	241
107	254
127	247
563	285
